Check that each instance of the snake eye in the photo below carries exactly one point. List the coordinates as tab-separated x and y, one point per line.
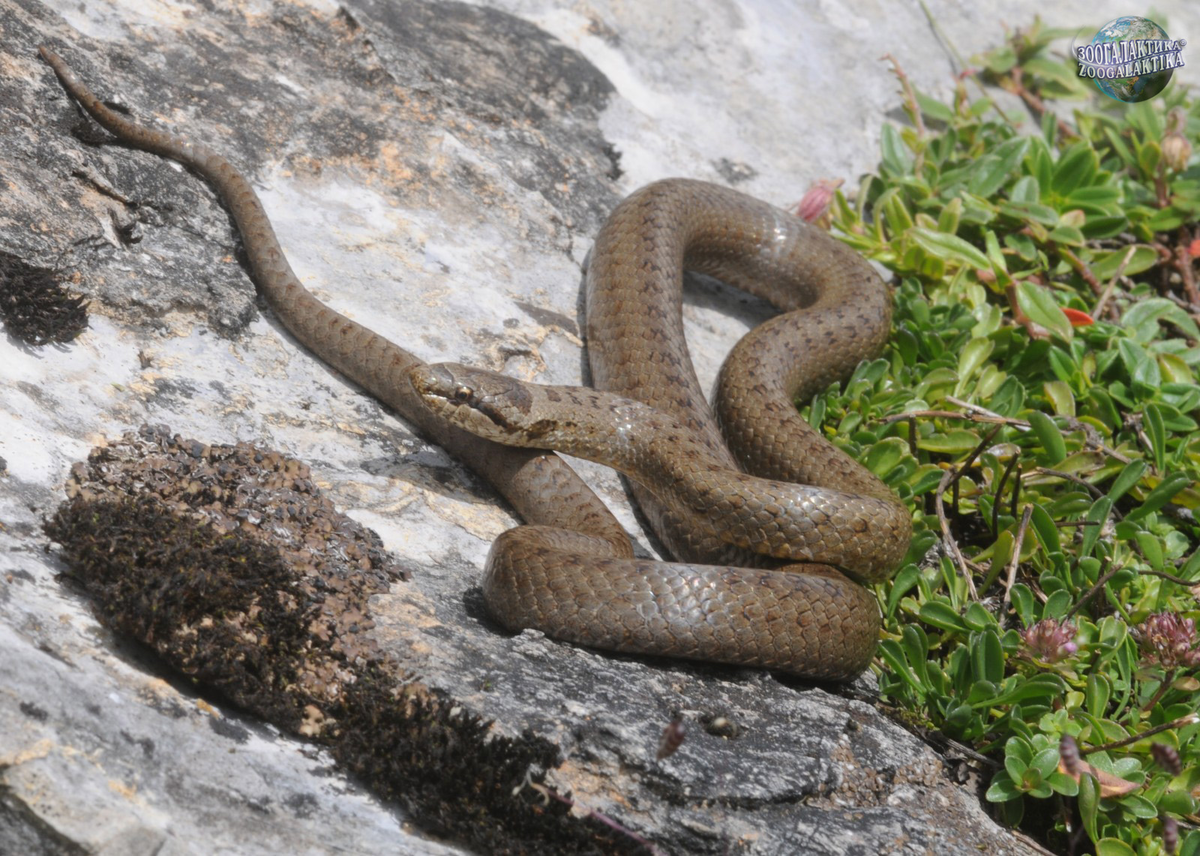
463	393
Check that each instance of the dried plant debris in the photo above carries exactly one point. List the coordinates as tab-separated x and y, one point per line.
229	563
35	307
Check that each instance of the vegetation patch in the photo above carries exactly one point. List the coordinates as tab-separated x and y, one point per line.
1037	406
35	307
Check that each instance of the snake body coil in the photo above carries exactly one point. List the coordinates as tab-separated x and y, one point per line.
572	573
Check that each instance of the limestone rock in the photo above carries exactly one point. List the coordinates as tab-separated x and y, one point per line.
436	170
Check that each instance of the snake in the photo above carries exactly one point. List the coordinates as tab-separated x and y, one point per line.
774	532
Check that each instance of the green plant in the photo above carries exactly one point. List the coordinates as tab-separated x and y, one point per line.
1037	406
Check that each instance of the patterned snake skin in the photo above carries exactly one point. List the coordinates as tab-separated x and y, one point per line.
571	573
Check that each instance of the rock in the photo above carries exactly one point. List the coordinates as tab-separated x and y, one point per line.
437	171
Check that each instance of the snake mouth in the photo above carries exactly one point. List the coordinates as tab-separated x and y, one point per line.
483	402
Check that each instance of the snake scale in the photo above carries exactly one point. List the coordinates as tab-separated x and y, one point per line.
570	571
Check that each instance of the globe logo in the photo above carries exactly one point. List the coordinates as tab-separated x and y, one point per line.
1130	59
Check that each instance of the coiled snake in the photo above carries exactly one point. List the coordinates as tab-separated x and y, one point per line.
572	572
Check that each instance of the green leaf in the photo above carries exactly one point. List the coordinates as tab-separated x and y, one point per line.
1039	164
1000	60
1119	146
952	442
897	159
1049	436
1097	516
1098	226
1129	476
1089	802
1151	548
1142	367
950	248
1057	604
1025	189
902	583
1002	789
1067	234
1105	265
1034	211
1103	408
943	615
1142	319
1161	495
895	212
1047	532
987	657
995	255
1076	167
1113	847
1063	784
1139	806
1191	567
1167	220
1059	393
893	655
1022	601
1020	749
1152	420
977	617
949	218
1098	198
992	170
1044	686
1037	302
934	109
1097	693
886	455
1046	761
1063	365
972	357
1177	802
916	650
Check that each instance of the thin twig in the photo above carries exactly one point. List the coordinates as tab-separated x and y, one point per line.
1012	463
1095	589
939	503
1015	559
910	97
982	411
1163	685
1188	719
983	444
1183	264
954	414
1098	309
1016	494
1082	269
1171	578
1091	488
1014	83
951	478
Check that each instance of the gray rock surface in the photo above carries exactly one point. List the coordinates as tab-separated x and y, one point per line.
437	171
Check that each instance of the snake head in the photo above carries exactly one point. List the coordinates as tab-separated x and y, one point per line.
490	405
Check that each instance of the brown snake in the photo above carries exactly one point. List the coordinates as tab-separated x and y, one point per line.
572	573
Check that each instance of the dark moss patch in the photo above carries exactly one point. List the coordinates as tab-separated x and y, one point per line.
35	307
33	711
228	563
219	608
